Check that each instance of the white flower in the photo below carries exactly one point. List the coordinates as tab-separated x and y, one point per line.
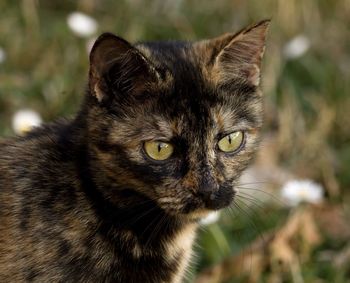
24	120
82	24
2	55
296	191
211	218
296	47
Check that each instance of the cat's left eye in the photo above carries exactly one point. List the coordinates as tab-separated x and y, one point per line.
231	142
158	150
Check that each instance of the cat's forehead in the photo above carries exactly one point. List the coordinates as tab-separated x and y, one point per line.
181	59
201	114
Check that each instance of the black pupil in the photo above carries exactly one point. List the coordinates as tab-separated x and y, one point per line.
229	139
159	147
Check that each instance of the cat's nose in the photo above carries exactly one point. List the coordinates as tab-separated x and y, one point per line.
207	195
208	188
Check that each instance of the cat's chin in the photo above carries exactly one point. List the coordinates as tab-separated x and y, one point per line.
195	214
198	214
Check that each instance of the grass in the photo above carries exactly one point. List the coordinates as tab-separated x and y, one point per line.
307	100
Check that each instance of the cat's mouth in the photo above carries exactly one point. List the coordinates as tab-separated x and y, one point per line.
195	205
202	205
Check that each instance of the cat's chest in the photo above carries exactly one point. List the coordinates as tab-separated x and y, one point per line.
181	244
164	261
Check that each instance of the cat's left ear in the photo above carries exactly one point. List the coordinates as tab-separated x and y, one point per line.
118	68
238	56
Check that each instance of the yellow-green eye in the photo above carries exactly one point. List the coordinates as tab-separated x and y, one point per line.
231	142
158	150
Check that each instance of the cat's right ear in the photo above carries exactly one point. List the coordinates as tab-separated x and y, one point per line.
116	67
237	56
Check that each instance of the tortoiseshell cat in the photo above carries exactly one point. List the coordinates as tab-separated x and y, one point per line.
115	195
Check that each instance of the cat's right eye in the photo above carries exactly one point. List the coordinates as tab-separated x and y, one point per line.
158	150
231	142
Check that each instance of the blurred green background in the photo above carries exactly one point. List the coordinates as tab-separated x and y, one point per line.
306	82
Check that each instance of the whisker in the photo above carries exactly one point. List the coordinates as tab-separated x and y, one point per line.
250	221
156	230
240	232
253	212
148	227
257	182
257	202
277	199
252	207
139	216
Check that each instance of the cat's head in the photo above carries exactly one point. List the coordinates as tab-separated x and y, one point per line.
176	121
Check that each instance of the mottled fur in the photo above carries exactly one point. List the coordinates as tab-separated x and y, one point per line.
81	202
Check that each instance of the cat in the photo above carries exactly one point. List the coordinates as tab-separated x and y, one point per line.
115	195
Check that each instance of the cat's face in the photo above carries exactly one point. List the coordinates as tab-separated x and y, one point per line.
176	122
